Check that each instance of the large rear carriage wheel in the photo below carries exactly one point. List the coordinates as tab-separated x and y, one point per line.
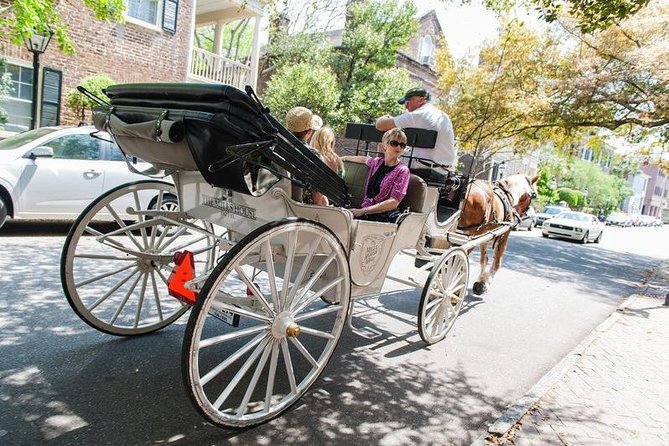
119	254
443	295
260	333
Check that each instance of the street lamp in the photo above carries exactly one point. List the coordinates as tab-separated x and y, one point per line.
36	43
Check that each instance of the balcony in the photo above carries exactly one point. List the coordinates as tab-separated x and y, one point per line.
213	67
208	67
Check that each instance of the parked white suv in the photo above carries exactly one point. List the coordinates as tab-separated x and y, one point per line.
55	172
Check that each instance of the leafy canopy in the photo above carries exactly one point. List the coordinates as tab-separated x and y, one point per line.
25	17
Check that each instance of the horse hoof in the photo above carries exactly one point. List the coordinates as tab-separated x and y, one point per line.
479	288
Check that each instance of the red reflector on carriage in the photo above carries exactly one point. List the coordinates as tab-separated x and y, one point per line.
182	273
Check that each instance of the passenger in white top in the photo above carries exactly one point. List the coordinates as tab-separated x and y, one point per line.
423	115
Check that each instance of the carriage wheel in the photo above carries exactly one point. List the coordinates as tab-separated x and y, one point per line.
260	335
443	295
115	264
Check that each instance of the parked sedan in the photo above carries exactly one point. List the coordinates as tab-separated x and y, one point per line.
548	212
55	172
526	220
619	219
575	226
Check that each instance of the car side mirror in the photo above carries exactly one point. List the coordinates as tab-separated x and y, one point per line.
41	152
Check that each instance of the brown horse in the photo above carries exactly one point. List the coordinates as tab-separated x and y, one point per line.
488	206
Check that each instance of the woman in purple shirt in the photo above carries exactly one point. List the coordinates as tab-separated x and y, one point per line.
387	180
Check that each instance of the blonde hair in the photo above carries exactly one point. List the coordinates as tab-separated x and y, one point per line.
323	141
396	134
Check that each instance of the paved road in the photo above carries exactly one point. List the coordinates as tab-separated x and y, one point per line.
64	383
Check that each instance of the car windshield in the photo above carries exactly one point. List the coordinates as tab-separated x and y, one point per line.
552	211
16	141
574	216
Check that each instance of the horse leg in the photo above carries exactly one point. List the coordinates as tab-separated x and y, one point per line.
498	253
480	284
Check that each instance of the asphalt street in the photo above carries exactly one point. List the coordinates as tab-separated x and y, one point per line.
63	383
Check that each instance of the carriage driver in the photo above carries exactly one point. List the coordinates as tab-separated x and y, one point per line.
420	113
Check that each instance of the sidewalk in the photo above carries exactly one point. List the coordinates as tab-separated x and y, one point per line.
613	389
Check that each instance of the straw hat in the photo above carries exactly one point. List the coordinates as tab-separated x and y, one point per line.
299	119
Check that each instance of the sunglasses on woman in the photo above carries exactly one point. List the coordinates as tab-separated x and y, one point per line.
398	144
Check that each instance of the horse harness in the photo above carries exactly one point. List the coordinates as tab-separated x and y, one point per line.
509	212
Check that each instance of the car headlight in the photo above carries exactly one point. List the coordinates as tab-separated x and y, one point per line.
578	229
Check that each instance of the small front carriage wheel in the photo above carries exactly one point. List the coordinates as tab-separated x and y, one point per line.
260	334
443	295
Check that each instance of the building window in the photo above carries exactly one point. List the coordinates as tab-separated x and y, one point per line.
19	98
148	11
426	51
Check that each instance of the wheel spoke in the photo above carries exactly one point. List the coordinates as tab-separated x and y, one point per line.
254	290
232	336
231	359
271	375
269	263
103	276
289	365
290	256
125	300
140	302
254	380
304	351
239	375
118	285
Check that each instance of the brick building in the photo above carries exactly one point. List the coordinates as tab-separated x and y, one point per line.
155	44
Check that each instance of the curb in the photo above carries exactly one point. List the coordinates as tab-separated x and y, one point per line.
515	412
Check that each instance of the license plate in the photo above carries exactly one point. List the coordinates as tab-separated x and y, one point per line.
228	317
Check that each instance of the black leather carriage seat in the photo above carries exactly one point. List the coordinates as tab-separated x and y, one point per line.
356	175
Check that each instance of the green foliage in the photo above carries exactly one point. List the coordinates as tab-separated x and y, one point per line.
380	96
592	15
24	17
366	83
375	31
79	103
314	87
571	196
5	86
289	49
236	43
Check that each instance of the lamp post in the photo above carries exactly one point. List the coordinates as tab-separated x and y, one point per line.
501	167
585	197
36	43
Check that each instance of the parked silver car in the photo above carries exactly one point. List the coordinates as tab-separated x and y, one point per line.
548	212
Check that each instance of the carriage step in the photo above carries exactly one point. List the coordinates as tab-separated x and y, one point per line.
183	272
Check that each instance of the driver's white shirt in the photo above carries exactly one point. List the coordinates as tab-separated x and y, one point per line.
429	117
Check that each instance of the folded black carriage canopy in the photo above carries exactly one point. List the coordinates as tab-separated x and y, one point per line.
223	132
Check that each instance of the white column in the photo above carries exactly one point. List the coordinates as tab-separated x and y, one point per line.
255	54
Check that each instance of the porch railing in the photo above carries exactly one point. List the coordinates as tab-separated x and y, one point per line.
208	67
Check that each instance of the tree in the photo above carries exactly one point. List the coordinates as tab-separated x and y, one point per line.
314	87
375	31
565	87
367	81
5	85
80	103
591	15
25	17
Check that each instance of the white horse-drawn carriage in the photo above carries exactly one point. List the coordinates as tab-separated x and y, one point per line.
270	281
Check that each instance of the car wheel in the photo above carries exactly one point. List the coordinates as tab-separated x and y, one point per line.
529	228
585	238
544	235
3	212
599	237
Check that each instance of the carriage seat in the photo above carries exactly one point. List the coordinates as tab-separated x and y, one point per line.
356	175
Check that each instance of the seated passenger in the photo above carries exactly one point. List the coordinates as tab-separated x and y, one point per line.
303	123
323	143
387	180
